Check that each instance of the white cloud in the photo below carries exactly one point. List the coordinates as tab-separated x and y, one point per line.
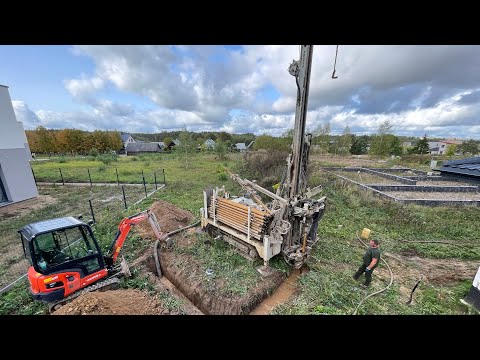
26	116
414	87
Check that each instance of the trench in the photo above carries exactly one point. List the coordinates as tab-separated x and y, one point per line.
281	295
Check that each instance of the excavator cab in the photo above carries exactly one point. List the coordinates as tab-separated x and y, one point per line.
61	244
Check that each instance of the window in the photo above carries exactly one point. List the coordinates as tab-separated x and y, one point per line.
59	246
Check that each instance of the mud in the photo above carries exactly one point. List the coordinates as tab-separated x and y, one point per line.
285	291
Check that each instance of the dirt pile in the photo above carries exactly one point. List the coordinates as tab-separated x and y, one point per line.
169	218
113	302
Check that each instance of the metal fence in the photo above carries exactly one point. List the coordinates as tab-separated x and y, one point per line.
93	201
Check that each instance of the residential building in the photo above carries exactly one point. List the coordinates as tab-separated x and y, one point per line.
141	147
16	178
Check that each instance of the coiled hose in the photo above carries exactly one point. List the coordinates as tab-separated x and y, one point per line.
155	248
379	291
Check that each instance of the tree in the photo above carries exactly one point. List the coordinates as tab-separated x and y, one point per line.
167	140
187	145
452	148
359	145
468	147
221	150
421	147
379	142
345	141
268	142
45	140
323	137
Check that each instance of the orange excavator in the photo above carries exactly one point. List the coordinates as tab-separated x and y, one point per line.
66	260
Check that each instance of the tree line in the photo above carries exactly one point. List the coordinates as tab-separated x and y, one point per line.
72	141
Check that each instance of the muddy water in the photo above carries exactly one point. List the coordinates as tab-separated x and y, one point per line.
286	289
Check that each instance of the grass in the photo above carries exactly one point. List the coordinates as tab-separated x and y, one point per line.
328	287
237	275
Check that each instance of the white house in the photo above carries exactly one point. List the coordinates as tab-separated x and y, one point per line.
209	144
437	147
16	177
127	139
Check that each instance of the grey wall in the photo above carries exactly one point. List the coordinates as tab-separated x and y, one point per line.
17	175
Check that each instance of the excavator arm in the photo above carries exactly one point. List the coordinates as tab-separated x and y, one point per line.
126	225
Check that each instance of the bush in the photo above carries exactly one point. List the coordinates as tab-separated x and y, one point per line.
93	152
102	168
223	177
134	158
62	159
264	164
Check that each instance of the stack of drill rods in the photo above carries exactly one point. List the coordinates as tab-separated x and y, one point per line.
239	211
236	216
236	205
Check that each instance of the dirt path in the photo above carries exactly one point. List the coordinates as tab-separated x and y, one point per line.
286	289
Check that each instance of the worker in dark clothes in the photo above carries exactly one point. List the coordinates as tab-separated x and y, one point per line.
371	258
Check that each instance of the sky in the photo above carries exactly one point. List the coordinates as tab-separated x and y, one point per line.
419	89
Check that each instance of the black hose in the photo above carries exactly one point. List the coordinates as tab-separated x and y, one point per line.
155	251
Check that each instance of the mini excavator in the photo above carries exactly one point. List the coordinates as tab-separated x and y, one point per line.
66	259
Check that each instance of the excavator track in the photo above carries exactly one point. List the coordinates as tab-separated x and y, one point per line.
107	284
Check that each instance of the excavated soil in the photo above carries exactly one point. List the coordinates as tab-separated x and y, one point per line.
113	302
169	218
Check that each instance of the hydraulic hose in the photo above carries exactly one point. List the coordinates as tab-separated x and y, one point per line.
155	248
379	291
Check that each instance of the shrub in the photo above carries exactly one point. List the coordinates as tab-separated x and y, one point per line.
93	152
62	159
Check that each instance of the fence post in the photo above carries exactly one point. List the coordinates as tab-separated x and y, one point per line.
164	181
91	211
89	177
118	182
144	185
155	179
63	181
124	198
34	178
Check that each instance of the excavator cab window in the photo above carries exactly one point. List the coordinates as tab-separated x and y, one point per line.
60	246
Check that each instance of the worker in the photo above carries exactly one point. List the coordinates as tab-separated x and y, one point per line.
371	258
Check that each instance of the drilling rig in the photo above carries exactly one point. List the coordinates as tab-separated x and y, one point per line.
288	223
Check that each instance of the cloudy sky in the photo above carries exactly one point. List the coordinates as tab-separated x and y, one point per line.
433	90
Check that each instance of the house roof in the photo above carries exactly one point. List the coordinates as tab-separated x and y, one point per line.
177	142
240	146
469	166
147	147
125	137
